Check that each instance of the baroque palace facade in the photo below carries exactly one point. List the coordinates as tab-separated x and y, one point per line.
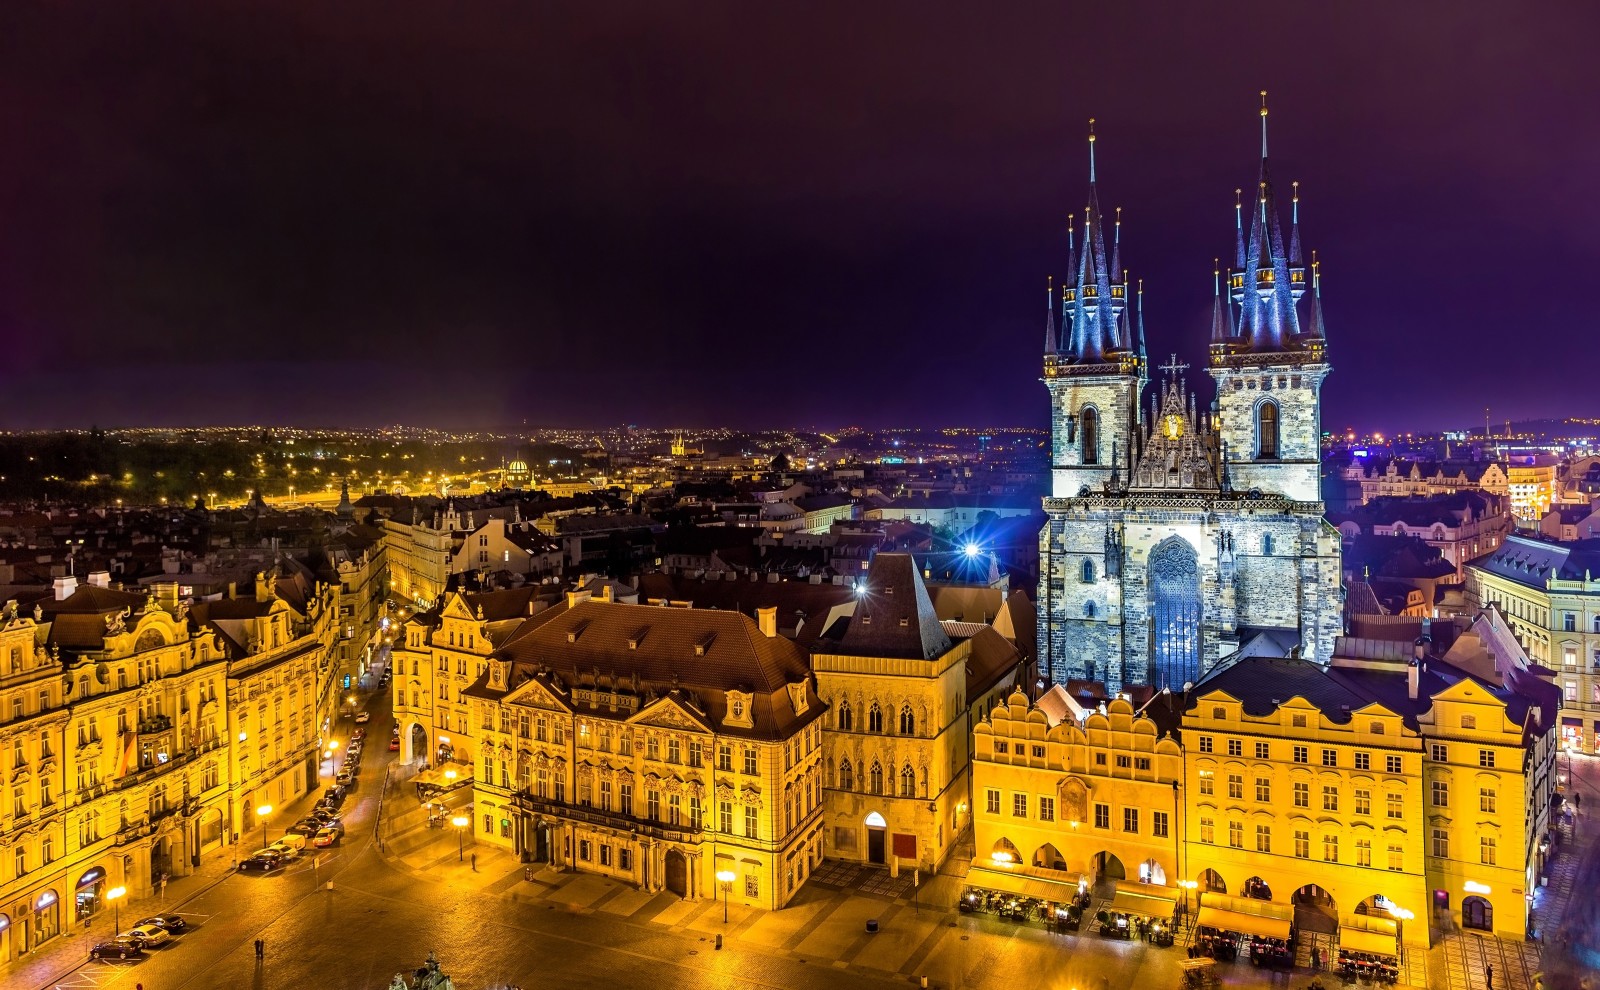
141	733
1177	533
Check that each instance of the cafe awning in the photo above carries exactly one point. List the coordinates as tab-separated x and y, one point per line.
1243	924
1377	943
1143	905
1059	887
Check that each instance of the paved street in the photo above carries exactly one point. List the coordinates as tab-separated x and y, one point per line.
497	925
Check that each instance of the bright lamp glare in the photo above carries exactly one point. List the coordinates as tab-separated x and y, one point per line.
972	549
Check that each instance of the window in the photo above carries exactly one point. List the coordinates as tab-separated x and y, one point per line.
624	858
1158	824
1086	574
1038	752
1486	800
874	718
696	758
1302	795
1375	728
1363	761
1302	845
1392	808
1047	809
1207	782
674	751
1019	806
1263	751
1130	820
1441	843
1090	418
1266	544
844	716
605	795
750	760
1264	790
1485	757
1235	786
1236	835
1486	851
1235	747
1302	754
652	748
1267	431
908	721
1099	759
1363	801
725	817
752	828
1397	857
625	798
1298	721
1139	762
991	801
847	779
1263	839
1440	753
1124	762
1330	798
1569	622
1392	764
1102	816
1330	757
652	804
674	809
1205	744
1363	852
875	778
724	757
1441	794
1207	831
605	855
1001	746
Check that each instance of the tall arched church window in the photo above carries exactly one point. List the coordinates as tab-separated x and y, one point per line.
844	716
874	718
1091	435
1267	431
908	721
1088	572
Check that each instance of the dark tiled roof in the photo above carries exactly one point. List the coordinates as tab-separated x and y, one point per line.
744	595
89	598
895	617
1534	562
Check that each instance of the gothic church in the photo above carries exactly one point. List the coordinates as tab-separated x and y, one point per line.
1179	534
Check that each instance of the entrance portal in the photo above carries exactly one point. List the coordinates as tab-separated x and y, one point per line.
877	830
677	873
1477	912
1315	910
416	744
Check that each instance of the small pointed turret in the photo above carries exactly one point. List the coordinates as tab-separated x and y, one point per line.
1221	311
1314	325
1050	315
1116	247
1142	358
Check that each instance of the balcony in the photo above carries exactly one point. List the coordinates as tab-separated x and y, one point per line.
608	819
152	724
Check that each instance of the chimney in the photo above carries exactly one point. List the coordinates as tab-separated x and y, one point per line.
1413	675
574	597
767	619
100	579
606	594
65	586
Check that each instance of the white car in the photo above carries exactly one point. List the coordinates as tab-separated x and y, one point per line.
363	717
150	936
286	850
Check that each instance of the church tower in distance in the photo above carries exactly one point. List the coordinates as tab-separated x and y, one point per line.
1179	534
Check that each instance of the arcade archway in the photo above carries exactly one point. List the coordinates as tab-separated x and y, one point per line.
1315	910
1049	857
1108	866
1212	883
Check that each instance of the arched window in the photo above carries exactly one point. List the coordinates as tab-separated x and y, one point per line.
844	716
1088	610
1091	435
874	718
1267	431
876	778
908	782
1088	572
1596	624
847	776
908	721
1266	544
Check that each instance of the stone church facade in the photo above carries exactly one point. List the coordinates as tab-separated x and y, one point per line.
1179	533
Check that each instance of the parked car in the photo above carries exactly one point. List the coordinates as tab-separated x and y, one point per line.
322	816
363	717
394	744
150	936
325	838
305	828
345	777
122	946
293	840
358	735
173	923
263	861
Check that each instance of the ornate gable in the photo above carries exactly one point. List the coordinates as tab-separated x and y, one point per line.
1179	451
669	714
535	694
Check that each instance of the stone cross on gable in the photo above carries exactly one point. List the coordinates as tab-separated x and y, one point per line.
1174	367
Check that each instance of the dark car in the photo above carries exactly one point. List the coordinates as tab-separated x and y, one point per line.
264	861
173	923
305	826
121	947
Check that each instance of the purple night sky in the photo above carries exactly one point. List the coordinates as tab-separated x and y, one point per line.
731	214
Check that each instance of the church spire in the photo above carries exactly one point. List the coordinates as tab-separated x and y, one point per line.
1314	325
1142	358
1050	315
1090	303
1268	321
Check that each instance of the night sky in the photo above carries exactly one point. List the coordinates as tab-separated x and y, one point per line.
478	214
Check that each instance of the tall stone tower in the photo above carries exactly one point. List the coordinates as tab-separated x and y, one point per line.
1177	534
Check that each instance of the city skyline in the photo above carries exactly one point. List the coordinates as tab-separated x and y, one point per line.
315	218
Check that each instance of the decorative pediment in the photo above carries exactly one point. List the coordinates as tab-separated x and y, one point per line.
799	696
668	713
535	694
740	712
1179	451
455	607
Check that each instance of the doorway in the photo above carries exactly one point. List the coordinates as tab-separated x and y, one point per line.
877	839
1478	913
677	873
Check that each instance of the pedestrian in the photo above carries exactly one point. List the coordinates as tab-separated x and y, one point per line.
1489	971
1316	958
474	862
261	948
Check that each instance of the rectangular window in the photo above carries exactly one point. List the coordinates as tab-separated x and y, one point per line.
1019	806
1298	721
605	855
1441	794
1205	744
624	858
1330	849
1236	786
1207	831
725	817
1124	762
1263	839
1363	761
725	757
583	850
625	799
1207	782
1302	754
652	748
1441	753
752	828
1141	763
674	751
1047	809
991	801
1264	790
1330	757
1302	795
1302	845
1363	852
1130	820
1363	801
1397	857
750	760
1038	752
1486	801
1392	805
1486	758
1236	835
652	804
1263	751
1330	798
1441	843
1158	824
1102	816
1002	747
1235	747
1486	851
1392	764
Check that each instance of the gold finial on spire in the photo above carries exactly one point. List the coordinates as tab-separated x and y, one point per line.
1263	103
1216	267
1091	149
1296	185
1263	124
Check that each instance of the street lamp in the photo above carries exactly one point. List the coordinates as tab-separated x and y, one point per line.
1188	885
460	822
113	895
725	877
262	812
